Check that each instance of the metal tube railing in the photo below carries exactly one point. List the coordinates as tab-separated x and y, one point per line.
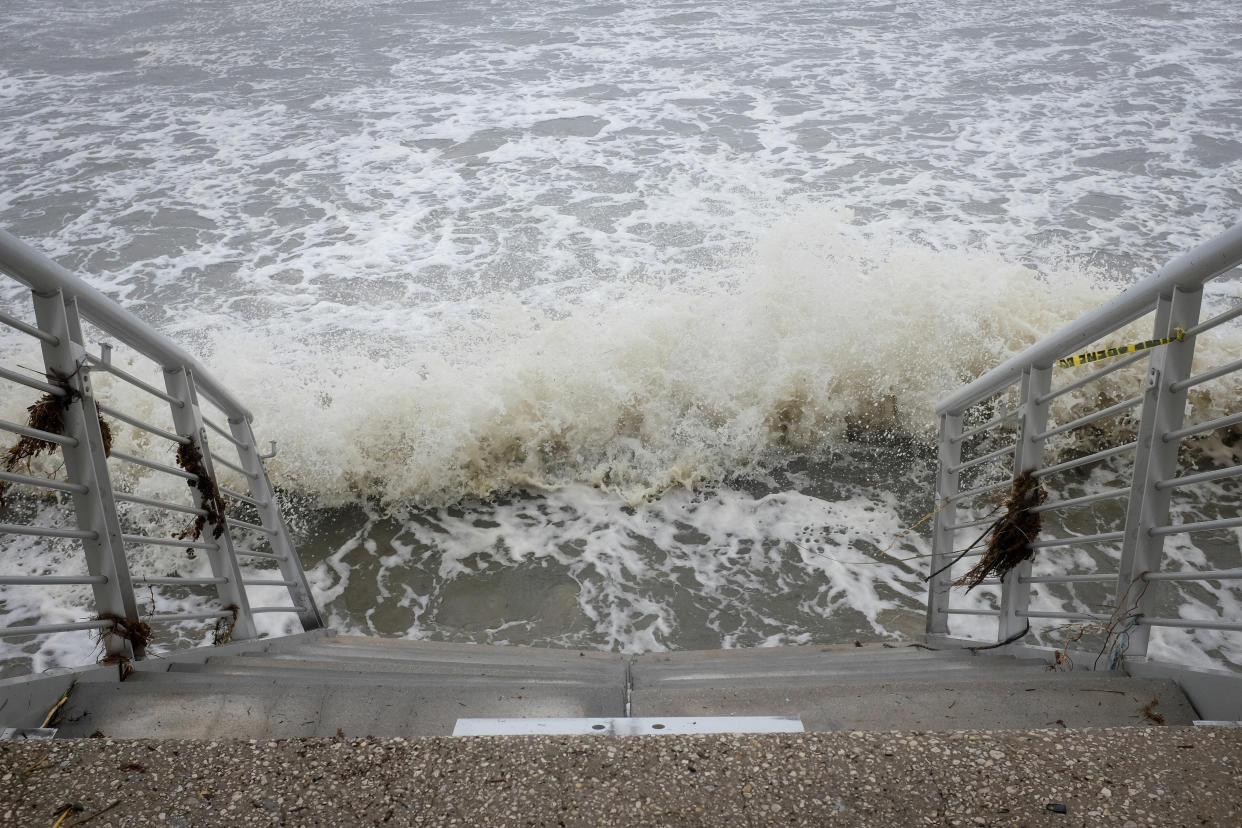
1094	376
43	336
41	274
61	302
1173	298
1189	270
31	382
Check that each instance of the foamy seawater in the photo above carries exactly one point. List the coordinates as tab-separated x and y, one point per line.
612	325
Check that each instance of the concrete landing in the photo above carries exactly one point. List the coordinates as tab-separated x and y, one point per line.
323	685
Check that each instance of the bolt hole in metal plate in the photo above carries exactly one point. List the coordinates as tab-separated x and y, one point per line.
622	726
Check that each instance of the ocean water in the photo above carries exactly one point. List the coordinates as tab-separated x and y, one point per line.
615	325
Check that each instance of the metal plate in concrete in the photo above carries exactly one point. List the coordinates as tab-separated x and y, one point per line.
636	726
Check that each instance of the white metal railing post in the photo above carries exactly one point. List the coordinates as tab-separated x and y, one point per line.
948	479
269	517
86	464
1015	594
188	420
1164	410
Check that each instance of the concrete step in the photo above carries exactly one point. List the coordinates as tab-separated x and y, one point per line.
403	649
383	687
197	706
1030	701
610	671
310	672
811	665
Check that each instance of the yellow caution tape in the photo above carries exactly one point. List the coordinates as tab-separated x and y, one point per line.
1096	356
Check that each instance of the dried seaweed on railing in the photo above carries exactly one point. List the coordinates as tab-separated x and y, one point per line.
190	458
1012	534
134	630
47	414
223	632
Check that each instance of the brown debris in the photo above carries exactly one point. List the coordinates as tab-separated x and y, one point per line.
190	458
47	414
223	632
1012	534
1148	712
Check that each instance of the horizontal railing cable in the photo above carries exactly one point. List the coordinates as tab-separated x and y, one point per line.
47	531
1008	417
1218	319
1198	526
44	483
158	504
1202	428
1195	575
254	527
1102	537
1094	376
26	328
1192	623
983	458
1095	577
1087	419
38	434
1201	477
147	427
151	464
31	382
241	498
98	364
980	490
268	582
42	580
1085	460
225	434
154	541
171	581
229	465
1207	376
1085	500
46	629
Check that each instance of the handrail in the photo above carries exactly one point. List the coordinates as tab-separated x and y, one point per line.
1189	270
41	274
60	300
1127	540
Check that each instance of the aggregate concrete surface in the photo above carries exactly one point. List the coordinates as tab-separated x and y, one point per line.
1166	776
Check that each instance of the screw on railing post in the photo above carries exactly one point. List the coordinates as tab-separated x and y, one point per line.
1016	595
1155	459
947	481
86	464
188	421
271	520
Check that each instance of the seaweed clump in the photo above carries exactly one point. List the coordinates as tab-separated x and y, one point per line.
134	630
1012	533
190	458
223	633
47	414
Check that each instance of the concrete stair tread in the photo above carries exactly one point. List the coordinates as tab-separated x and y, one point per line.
342	675
353	660
1066	701
401	648
315	684
189	706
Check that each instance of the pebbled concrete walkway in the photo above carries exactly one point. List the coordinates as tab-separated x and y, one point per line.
1165	776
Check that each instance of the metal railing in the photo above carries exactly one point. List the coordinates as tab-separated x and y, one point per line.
187	447
1110	466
